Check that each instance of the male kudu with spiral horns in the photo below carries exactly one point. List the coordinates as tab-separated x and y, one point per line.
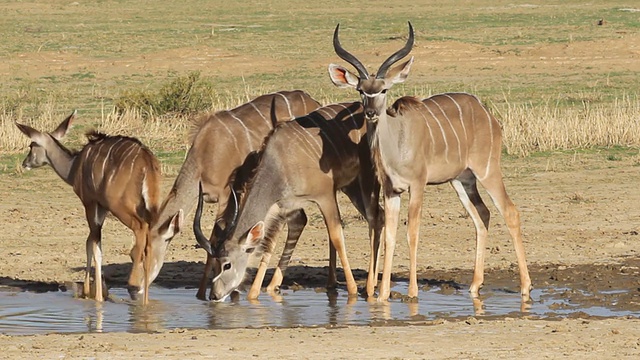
448	137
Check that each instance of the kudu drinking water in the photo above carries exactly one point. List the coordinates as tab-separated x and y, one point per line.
306	160
444	138
220	144
114	174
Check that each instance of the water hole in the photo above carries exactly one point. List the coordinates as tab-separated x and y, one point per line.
25	312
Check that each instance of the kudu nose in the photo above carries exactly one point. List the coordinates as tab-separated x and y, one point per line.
370	113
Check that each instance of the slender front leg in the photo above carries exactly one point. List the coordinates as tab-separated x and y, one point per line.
254	292
135	283
329	209
413	234
296	221
391	212
269	245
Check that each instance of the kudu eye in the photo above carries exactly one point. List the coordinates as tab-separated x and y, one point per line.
226	267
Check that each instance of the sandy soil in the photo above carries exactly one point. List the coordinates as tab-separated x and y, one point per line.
579	215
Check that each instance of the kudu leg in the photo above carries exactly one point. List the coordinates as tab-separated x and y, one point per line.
413	236
268	243
331	214
495	187
391	213
296	221
479	213
135	284
95	218
364	194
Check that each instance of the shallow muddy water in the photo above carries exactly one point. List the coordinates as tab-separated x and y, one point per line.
25	312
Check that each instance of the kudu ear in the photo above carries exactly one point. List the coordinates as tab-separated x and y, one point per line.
342	77
255	235
35	135
174	226
64	126
398	74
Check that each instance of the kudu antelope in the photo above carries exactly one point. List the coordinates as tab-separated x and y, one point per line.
114	174
305	160
220	144
444	138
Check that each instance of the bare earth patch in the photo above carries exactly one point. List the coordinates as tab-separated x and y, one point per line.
580	227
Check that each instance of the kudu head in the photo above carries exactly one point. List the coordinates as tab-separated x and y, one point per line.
159	237
230	254
37	155
372	87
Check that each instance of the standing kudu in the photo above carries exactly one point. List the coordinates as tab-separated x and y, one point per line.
305	160
114	174
220	144
445	138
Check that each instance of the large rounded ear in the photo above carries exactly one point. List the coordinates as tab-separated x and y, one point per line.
173	226
254	237
33	134
342	77
64	126
399	73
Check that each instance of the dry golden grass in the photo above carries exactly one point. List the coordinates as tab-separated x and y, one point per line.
529	128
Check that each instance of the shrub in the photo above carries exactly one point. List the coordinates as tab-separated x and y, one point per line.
182	96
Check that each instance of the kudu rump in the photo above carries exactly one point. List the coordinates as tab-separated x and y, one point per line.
305	160
114	174
445	138
220	144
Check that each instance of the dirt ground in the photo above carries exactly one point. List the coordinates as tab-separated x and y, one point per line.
579	214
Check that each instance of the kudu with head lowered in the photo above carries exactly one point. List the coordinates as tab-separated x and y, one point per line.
305	160
114	174
220	144
444	138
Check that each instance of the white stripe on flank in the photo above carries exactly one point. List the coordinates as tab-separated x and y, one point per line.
246	130
464	128
269	125
455	133
120	159
304	103
444	137
288	105
353	119
309	149
327	136
145	190
235	141
488	170
106	157
133	162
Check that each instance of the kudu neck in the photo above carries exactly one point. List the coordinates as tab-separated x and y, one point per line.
61	159
183	193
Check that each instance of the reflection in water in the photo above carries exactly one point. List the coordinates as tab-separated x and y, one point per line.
31	313
94	319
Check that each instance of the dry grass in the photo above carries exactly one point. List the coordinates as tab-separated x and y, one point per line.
528	128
